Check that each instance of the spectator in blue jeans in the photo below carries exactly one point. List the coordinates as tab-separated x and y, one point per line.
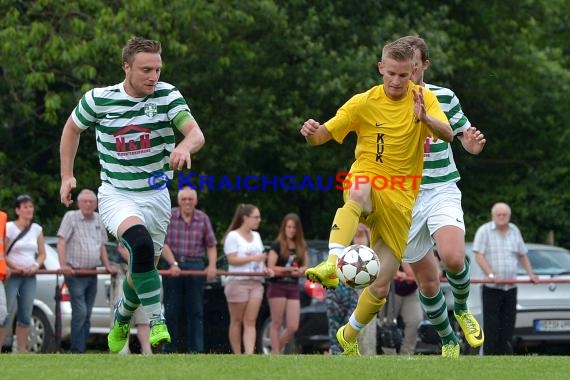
189	237
81	245
24	239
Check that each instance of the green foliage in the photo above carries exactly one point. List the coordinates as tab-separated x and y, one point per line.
252	71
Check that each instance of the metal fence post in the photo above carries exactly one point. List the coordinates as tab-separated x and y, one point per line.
57	299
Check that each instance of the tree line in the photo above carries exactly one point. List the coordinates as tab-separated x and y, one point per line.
253	70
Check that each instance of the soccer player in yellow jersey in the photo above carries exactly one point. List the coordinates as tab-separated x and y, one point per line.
391	121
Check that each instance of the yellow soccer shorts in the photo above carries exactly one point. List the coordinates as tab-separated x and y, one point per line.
391	217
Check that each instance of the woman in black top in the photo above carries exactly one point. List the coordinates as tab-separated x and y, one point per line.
288	260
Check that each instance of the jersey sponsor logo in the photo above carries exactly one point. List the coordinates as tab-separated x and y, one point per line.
132	140
379	147
150	110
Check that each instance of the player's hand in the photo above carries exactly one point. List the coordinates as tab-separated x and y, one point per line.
419	105
310	127
67	185
178	158
473	140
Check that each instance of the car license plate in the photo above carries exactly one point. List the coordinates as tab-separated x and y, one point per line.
552	325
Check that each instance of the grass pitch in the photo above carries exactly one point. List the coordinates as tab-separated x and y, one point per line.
298	367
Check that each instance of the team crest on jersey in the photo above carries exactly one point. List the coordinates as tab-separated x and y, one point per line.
150	109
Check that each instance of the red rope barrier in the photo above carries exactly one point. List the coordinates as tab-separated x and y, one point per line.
186	272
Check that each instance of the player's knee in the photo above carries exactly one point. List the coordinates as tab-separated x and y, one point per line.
138	241
454	263
360	194
429	286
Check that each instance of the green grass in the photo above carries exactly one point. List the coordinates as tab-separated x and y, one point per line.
311	367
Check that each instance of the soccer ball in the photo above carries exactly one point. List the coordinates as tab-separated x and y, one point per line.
358	266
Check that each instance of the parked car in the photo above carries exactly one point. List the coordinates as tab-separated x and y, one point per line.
543	310
42	330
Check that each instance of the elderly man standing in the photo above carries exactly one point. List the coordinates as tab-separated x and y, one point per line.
81	245
498	247
189	236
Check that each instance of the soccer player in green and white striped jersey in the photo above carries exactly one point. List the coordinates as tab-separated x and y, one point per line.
438	216
134	122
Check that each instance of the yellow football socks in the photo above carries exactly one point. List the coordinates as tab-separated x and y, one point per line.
343	228
367	308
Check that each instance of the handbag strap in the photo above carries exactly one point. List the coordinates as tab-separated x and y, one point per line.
20	235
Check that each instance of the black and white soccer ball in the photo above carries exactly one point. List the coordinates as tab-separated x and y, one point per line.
358	266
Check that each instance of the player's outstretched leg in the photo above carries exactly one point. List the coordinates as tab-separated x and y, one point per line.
146	281
460	284
436	309
343	230
366	310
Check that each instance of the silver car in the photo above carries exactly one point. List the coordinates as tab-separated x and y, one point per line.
543	310
49	286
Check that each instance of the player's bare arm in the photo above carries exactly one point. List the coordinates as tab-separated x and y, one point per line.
439	128
315	133
67	151
473	140
192	142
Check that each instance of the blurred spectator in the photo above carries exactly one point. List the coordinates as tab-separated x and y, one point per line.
407	306
342	301
498	247
139	319
81	245
244	250
288	260
24	240
189	238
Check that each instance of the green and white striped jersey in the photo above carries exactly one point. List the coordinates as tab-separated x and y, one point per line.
134	136
439	165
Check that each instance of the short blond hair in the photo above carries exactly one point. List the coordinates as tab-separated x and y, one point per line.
399	50
139	45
